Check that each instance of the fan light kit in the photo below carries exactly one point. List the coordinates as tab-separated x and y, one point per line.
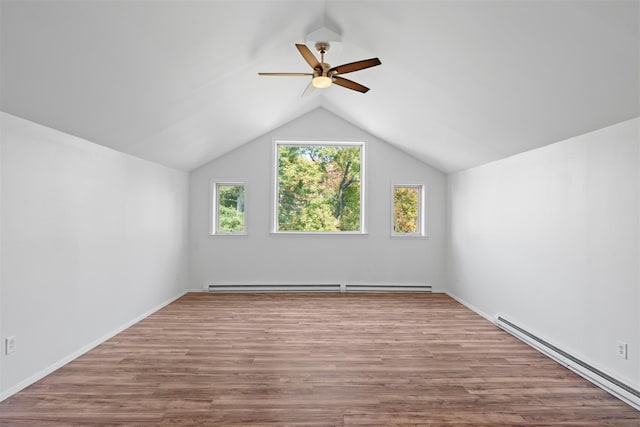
323	74
321	82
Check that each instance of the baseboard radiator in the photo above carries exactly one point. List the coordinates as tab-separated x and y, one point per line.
601	379
381	287
314	287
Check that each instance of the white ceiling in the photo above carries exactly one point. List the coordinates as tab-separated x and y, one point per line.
461	82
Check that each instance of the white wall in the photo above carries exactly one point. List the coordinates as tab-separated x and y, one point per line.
262	257
91	239
550	240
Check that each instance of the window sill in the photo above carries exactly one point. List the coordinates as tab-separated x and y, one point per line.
228	235
320	233
409	236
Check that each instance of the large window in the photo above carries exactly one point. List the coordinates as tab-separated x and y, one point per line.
319	187
228	211
408	210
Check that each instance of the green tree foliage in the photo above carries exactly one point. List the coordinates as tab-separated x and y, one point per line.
231	208
319	188
405	209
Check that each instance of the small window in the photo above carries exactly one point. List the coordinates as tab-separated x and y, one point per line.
228	212
319	188
408	215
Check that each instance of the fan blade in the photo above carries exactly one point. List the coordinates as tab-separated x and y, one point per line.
285	74
354	66
309	57
340	81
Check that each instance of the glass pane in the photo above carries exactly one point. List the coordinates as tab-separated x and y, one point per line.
406	209
230	208
319	188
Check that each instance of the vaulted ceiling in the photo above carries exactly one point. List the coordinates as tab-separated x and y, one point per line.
461	83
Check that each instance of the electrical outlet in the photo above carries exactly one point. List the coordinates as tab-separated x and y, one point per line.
621	349
10	345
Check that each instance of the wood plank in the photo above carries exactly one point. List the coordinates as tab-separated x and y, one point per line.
314	360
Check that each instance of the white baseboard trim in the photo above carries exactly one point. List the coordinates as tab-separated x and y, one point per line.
60	363
472	307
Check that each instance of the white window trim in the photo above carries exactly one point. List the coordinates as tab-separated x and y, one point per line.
422	214
214	205
274	185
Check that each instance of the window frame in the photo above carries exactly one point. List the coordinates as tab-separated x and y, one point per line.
422	210
214	208
276	191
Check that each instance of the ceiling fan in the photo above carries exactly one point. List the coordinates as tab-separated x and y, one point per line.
323	74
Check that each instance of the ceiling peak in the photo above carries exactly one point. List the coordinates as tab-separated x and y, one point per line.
323	34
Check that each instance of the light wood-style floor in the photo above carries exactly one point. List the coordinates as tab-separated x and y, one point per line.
314	360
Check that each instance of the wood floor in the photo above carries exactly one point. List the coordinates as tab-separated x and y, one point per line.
314	360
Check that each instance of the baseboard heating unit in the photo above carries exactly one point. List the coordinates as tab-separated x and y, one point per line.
601	379
380	287
314	287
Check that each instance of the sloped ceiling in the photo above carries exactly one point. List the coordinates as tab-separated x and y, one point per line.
461	83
